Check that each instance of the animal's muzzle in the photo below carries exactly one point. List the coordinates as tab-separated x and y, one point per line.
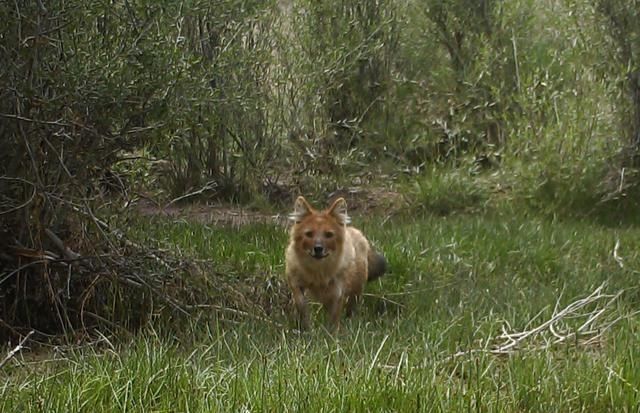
319	252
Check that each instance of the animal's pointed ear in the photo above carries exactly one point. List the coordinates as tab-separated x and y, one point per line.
300	210
339	211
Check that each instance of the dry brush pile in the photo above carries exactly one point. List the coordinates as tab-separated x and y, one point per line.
81	88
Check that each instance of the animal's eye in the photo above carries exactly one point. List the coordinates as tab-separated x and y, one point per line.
308	234
329	234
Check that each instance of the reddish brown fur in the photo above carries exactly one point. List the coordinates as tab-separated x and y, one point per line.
327	260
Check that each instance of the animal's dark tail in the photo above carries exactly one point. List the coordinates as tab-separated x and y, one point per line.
377	265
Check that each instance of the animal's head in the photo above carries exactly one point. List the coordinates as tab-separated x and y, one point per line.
319	233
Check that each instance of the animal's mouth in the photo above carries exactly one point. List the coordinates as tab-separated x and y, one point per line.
319	255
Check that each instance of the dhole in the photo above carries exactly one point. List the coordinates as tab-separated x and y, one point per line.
328	260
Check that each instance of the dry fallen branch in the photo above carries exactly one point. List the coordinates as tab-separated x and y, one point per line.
67	252
594	312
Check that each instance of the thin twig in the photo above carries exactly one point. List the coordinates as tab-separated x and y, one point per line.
17	349
235	311
42	122
208	187
616	256
24	204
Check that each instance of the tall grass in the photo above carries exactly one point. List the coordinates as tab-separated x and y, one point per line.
454	282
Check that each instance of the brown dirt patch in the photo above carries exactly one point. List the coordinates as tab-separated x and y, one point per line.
360	201
219	215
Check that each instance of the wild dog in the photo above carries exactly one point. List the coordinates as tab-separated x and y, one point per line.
328	260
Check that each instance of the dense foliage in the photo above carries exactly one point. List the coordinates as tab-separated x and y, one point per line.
253	100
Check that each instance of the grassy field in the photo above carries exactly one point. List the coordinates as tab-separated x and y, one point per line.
432	335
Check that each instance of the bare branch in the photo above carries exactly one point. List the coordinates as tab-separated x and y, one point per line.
594	308
208	187
16	350
66	251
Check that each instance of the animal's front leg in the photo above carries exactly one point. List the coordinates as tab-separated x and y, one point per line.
301	305
333	304
351	305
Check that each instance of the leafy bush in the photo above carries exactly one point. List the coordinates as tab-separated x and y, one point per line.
84	87
340	57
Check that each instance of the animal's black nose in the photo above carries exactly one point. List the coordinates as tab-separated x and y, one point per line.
318	250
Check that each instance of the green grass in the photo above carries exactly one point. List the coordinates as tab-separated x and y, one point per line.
455	281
